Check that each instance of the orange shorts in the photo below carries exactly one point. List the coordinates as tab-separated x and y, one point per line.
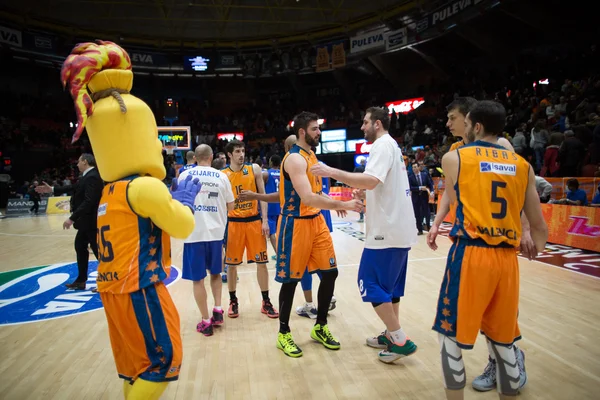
303	242
480	292
245	236
144	334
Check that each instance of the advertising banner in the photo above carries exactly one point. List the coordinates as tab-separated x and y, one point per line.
39	42
396	39
446	12
11	37
59	205
367	41
405	106
22	206
148	59
573	226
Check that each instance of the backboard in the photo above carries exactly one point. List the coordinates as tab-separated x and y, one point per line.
178	136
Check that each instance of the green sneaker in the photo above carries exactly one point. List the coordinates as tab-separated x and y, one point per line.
321	334
378	342
395	352
285	343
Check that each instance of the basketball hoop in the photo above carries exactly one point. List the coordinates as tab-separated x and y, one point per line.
170	150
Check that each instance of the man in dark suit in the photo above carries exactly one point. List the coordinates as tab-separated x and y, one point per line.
421	185
85	198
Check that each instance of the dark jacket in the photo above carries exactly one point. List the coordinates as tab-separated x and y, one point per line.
414	183
85	198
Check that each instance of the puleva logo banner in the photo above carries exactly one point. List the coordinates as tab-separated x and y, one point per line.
39	293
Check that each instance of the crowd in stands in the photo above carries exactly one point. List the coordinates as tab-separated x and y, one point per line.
554	123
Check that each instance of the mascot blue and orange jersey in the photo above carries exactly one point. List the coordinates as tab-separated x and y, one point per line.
490	192
289	200
133	252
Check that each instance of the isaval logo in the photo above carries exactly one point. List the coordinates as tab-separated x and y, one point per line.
498	168
39	293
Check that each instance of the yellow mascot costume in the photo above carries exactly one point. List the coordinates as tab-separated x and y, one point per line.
136	217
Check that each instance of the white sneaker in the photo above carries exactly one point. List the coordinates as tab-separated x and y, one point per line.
308	310
332	304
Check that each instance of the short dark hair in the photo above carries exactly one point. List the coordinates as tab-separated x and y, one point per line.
234	144
381	114
573	182
275	160
490	114
302	120
219	154
218	163
89	158
462	104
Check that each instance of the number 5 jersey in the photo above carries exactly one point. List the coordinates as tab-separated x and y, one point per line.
490	193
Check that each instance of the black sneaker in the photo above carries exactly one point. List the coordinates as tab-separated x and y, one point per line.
205	328
217	318
233	311
268	309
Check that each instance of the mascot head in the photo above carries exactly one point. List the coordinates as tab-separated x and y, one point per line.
121	127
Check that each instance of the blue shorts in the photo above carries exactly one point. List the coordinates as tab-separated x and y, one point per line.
382	274
327	216
273	224
201	256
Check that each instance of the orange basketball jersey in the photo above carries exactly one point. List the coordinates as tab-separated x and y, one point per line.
291	205
490	190
457	145
452	212
242	180
133	252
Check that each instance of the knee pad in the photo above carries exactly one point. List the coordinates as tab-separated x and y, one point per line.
507	370
453	367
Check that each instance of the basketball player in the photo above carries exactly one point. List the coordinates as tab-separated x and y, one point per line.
480	290
190	162
390	231
271	178
245	230
308	309
457	112
203	249
219	163
222	158
303	238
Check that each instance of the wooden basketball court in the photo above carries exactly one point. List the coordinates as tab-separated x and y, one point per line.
71	358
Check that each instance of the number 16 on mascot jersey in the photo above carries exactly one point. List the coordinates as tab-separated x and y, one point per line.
136	217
